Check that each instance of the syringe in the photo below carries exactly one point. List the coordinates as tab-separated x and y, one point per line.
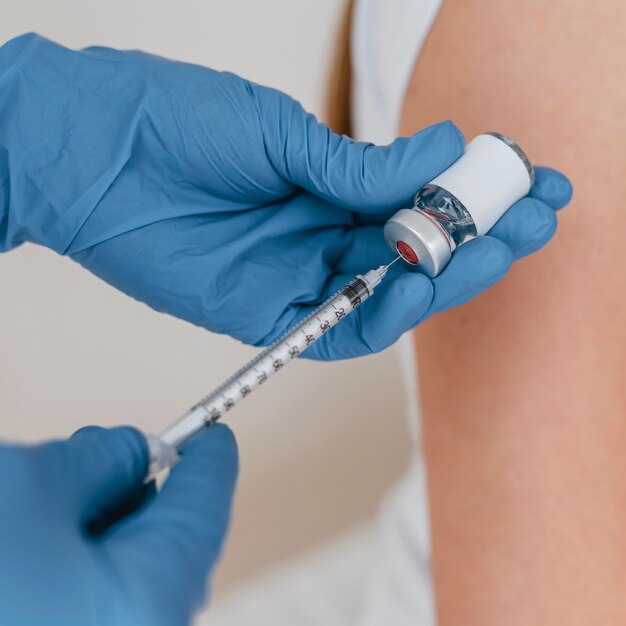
163	449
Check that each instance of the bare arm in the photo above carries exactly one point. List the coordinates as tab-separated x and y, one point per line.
524	389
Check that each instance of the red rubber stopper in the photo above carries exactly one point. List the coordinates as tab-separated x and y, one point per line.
407	253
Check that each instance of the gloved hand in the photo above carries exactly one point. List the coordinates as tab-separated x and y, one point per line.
83	542
223	202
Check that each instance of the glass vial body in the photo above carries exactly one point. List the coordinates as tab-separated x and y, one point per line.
461	203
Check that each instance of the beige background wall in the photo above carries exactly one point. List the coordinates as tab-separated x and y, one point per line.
320	443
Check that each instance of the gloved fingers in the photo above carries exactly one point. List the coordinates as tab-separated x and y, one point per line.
354	175
526	227
551	187
398	304
179	535
475	266
106	468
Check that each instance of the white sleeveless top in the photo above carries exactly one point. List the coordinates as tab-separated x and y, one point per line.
387	37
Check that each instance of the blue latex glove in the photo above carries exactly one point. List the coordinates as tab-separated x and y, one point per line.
83	542
223	202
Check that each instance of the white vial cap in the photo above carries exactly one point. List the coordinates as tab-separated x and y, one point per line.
491	176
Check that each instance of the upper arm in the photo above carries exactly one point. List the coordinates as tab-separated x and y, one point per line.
549	75
538	73
527	475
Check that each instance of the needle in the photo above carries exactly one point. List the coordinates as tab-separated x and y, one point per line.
396	259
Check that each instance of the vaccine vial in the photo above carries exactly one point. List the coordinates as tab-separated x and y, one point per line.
463	202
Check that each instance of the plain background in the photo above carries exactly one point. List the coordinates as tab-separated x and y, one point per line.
321	443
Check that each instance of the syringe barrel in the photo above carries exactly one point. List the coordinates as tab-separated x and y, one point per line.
270	361
184	428
464	201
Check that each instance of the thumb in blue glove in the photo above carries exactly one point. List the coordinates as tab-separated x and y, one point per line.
84	541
